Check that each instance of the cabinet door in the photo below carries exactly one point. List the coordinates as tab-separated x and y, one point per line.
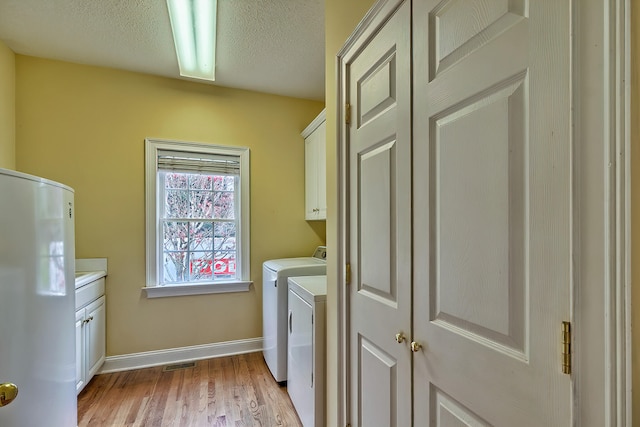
80	378
315	160
321	167
95	335
310	178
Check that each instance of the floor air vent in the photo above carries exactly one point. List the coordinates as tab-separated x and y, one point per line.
178	366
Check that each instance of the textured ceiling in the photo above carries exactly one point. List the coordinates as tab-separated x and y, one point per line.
272	46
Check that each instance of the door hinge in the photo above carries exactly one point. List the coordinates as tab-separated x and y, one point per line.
347	113
566	348
347	274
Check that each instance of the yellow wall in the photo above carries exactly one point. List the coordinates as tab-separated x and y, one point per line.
341	18
635	206
7	108
85	127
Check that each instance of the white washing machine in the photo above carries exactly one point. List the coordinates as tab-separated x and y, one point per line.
274	304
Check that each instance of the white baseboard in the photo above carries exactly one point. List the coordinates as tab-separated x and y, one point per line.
147	359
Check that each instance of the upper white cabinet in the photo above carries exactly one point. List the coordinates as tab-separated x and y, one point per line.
315	173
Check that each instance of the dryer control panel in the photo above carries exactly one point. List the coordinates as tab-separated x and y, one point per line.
320	253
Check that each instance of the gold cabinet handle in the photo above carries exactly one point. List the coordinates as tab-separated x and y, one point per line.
400	337
8	392
415	347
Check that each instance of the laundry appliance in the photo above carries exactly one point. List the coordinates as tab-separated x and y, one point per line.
275	274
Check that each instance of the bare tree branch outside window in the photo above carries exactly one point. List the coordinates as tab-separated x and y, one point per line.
199	227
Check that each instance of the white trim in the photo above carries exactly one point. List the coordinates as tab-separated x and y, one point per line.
602	341
621	81
314	124
147	359
152	145
195	289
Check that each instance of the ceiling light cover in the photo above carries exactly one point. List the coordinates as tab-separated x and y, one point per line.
194	30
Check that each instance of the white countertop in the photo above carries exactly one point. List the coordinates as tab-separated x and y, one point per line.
85	277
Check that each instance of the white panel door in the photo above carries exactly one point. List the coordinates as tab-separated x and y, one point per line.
380	225
492	197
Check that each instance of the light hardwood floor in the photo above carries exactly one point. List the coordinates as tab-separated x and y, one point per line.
228	391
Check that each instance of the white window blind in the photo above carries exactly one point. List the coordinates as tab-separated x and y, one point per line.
198	162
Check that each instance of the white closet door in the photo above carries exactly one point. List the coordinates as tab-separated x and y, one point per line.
492	170
380	225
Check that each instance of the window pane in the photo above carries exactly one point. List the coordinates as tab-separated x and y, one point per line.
201	266
224	183
200	182
224	265
201	204
201	234
176	236
176	204
175	267
224	231
175	180
223	205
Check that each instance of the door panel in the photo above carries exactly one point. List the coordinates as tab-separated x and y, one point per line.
477	196
447	412
376	172
491	211
378	386
380	233
459	27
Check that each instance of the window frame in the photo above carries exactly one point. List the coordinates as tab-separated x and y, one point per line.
153	289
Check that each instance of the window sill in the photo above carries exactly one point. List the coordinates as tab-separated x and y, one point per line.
201	289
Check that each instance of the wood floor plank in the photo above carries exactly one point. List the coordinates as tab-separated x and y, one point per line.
234	391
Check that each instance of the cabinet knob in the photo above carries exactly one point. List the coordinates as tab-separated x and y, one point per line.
415	347
400	337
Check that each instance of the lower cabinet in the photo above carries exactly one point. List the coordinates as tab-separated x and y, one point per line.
90	336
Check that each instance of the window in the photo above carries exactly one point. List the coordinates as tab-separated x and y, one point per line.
197	204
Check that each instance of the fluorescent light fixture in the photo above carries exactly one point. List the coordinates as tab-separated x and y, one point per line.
194	31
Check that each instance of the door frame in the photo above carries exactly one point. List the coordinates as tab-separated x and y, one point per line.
601	280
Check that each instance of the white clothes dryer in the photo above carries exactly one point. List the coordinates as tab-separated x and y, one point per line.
274	304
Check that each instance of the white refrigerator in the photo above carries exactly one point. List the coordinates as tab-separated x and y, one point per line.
37	322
